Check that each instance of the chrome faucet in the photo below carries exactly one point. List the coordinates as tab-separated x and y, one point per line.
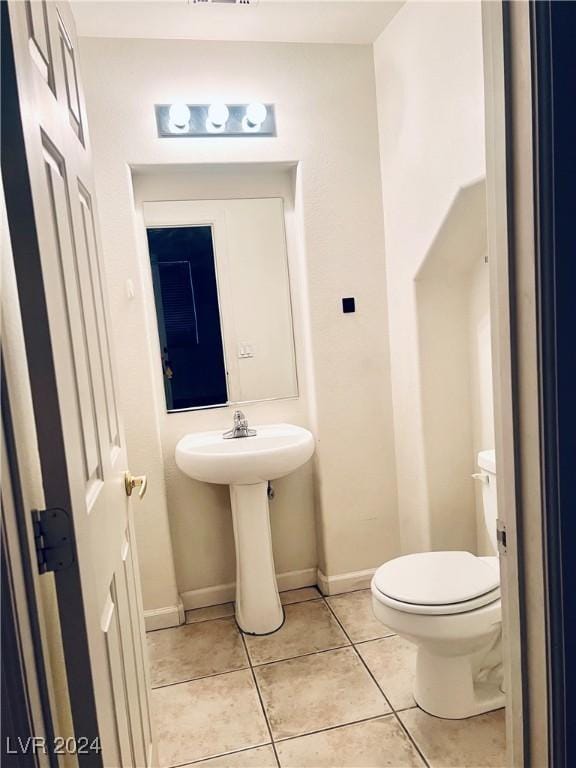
240	428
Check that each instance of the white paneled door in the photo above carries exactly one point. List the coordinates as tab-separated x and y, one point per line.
47	172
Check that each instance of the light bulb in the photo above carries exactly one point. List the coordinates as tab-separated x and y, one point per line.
218	114
256	114
179	115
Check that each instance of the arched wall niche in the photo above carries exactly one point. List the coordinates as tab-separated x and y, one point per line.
453	316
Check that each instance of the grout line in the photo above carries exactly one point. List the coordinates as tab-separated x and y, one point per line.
335	727
249	666
222	754
202	677
347	592
262	664
409	735
203	621
317	596
188	623
261	701
300	656
407	709
374	639
394	712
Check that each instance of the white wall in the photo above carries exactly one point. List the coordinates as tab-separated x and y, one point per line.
446	376
481	381
319	92
200	516
429	82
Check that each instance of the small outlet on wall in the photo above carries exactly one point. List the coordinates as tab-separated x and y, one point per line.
245	350
349	305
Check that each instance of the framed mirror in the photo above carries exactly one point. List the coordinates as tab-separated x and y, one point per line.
222	300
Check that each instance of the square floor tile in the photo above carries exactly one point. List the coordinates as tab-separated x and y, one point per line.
392	661
212	612
354	611
208	717
299	595
372	744
319	691
195	650
308	627
477	742
261	757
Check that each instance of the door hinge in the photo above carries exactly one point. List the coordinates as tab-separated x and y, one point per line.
53	539
501	537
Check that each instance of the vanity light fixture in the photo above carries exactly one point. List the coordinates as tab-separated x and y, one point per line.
255	115
218	115
179	117
180	120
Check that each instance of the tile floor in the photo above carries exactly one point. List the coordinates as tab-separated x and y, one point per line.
331	689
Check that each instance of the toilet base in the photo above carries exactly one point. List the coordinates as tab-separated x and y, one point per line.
455	687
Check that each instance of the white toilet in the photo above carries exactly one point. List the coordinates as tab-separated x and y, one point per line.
448	604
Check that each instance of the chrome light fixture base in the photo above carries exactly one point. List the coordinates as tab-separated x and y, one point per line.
200	126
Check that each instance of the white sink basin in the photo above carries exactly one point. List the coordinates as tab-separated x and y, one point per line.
274	451
246	464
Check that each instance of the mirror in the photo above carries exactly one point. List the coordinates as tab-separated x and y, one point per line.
222	297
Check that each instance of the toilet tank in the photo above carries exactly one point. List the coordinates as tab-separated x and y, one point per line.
487	465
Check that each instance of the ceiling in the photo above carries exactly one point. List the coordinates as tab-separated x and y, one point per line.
290	21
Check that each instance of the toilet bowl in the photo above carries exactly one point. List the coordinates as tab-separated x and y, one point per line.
448	604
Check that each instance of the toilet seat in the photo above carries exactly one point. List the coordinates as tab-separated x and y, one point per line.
431	583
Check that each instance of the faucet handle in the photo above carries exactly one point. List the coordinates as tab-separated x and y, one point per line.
240	428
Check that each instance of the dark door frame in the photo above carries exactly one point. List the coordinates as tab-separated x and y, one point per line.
27	731
553	30
17	729
27	263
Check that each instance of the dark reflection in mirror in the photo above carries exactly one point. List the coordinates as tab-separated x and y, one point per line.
186	297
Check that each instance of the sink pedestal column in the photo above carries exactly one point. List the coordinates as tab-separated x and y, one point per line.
258	606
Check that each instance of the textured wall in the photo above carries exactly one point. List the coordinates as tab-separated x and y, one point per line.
326	111
481	381
200	515
430	95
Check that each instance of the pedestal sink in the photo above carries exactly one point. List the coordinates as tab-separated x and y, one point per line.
247	464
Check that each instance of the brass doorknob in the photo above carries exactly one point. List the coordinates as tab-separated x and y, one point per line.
135	481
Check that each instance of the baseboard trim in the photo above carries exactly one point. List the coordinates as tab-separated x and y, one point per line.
174	615
309	577
344	582
163	618
225	593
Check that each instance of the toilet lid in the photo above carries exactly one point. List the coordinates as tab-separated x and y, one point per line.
437	578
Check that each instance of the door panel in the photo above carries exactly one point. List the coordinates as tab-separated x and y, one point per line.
70	79
138	747
96	279
68	345
39	38
111	629
75	315
134	602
